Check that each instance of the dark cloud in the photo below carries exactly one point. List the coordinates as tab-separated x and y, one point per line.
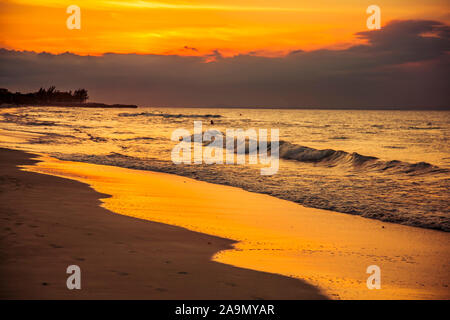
404	64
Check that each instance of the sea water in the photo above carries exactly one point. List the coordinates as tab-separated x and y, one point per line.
387	165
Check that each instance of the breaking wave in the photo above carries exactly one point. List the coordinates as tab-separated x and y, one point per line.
330	157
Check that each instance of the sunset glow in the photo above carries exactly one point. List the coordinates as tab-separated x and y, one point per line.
197	27
221	157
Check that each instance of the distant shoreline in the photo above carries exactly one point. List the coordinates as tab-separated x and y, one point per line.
72	105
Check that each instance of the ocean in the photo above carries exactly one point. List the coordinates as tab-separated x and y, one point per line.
386	165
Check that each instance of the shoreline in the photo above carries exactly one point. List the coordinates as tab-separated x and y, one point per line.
70	105
329	250
50	223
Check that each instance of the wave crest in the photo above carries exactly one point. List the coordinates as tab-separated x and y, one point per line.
330	157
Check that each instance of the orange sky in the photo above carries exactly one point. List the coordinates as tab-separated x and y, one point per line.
266	27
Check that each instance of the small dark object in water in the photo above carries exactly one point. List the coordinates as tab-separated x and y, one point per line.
212	121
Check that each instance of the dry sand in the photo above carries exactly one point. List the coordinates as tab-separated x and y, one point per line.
49	223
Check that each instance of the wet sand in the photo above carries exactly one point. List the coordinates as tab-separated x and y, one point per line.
54	222
327	249
49	223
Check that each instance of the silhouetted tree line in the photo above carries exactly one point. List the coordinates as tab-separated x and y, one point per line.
43	96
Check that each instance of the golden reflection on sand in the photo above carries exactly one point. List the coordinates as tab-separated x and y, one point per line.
328	249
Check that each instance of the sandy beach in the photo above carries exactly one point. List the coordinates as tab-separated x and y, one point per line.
323	253
49	223
181	151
